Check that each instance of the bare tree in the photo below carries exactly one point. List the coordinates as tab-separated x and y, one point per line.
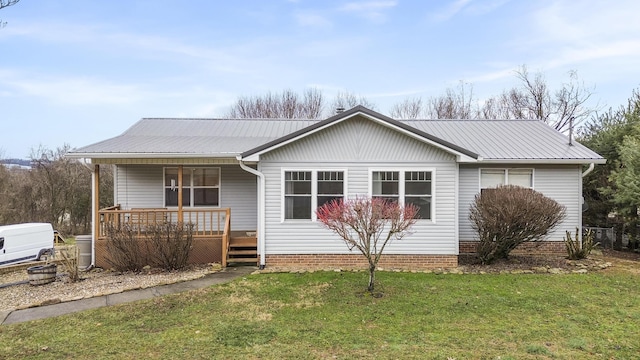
4	4
368	224
346	100
408	109
456	103
285	105
535	100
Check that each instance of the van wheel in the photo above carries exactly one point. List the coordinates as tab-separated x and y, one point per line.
44	252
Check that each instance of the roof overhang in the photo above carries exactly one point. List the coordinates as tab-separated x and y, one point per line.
544	161
80	155
462	155
155	158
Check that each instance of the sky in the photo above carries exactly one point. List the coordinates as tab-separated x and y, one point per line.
77	72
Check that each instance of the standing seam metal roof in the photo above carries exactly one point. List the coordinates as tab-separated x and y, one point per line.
490	139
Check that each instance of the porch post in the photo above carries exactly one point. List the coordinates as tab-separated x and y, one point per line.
96	210
180	170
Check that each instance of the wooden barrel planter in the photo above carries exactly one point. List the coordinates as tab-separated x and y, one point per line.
42	274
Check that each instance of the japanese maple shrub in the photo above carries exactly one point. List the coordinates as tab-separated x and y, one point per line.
368	225
508	216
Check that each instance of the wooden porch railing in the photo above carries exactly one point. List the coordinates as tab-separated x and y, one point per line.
207	222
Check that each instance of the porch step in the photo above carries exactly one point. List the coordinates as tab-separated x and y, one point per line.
243	249
253	261
243	252
242	241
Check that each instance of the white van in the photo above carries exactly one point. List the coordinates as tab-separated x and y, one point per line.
25	242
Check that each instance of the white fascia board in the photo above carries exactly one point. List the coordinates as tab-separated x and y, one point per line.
148	155
544	161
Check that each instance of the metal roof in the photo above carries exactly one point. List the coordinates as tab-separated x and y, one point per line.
485	140
508	140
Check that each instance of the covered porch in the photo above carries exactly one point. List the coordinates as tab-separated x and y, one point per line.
213	238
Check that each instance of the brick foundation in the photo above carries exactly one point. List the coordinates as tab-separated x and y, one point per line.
537	248
357	261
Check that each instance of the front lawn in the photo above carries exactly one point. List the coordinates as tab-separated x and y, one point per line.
328	315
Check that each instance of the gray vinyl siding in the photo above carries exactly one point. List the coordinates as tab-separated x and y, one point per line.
358	147
562	183
140	186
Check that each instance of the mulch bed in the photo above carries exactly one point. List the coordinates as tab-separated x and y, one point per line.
470	263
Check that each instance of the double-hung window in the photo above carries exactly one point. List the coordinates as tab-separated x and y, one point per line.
297	195
200	187
330	186
305	191
406	187
417	191
491	178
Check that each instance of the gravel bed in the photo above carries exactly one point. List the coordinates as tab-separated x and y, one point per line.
96	282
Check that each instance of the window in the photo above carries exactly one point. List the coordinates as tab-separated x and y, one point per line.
330	186
305	191
386	185
417	191
491	178
297	195
415	188
200	187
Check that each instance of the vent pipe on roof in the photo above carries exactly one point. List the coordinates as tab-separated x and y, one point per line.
571	131
339	110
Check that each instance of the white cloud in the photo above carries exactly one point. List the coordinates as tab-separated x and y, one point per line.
371	10
493	75
571	34
309	19
230	59
450	11
70	90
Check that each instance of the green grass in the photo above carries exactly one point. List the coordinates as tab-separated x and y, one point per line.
328	315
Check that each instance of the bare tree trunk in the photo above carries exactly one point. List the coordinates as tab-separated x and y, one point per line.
372	277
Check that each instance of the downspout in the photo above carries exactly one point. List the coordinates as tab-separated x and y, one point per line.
261	209
585	173
94	210
590	169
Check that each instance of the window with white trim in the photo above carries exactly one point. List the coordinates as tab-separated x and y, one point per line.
406	187
491	178
305	191
200	187
330	186
417	191
297	195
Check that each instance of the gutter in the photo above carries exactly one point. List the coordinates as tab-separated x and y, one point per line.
590	169
261	209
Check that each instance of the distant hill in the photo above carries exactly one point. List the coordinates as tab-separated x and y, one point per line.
16	162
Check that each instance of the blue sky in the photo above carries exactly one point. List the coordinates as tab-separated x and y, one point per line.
78	71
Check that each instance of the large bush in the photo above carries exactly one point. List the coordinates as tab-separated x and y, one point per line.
171	244
508	216
126	251
164	245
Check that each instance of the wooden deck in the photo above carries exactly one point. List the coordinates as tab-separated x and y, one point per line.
207	223
210	226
